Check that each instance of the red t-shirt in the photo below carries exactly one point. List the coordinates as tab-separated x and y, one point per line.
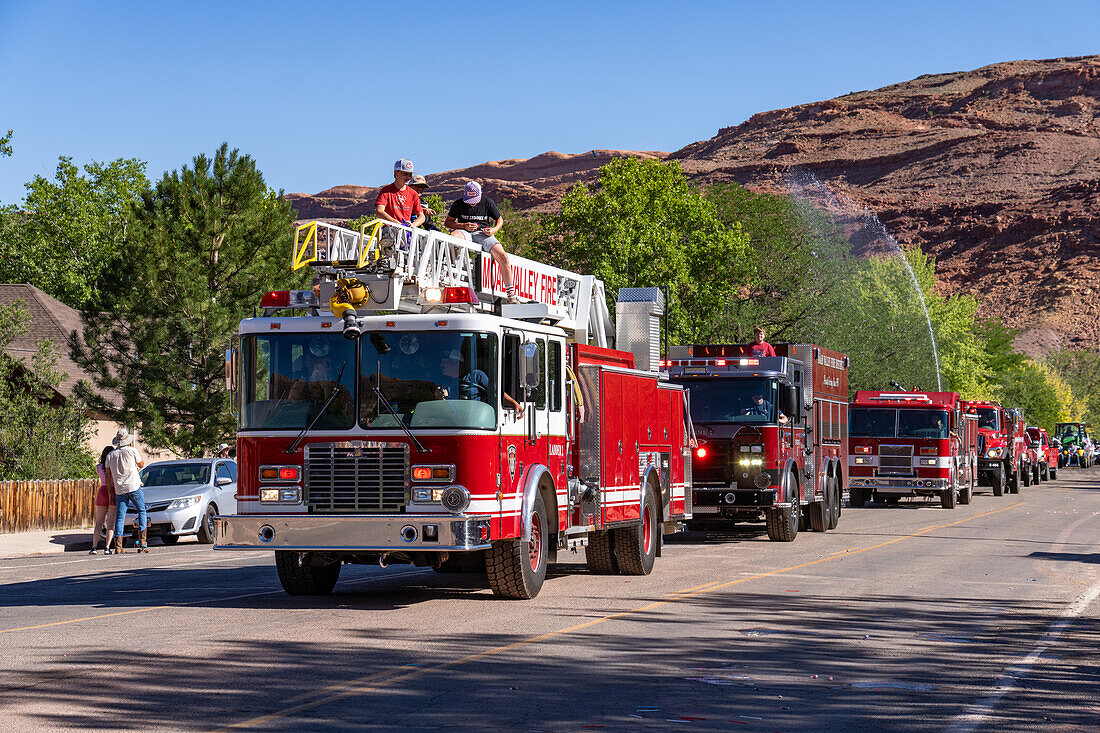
401	205
761	349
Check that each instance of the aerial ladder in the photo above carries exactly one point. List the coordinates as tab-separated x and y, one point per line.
391	267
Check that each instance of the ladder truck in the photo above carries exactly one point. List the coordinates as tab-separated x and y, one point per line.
772	435
405	412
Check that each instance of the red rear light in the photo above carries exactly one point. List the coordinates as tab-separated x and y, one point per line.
863	449
720	362
928	451
700	452
275	299
460	295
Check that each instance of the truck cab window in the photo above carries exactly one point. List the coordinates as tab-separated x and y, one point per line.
553	376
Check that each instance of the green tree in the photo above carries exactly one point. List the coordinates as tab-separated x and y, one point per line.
800	261
5	145
643	224
1081	370
202	248
43	435
70	227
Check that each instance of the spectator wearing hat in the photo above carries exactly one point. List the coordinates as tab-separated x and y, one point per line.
223	450
397	202
420	185
477	218
123	465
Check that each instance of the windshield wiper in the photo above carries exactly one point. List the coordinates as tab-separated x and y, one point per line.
382	398
335	390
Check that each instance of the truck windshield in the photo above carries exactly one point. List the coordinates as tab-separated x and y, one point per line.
287	377
932	424
873	422
433	379
879	422
733	400
989	417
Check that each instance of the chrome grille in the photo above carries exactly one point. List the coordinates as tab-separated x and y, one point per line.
895	460
356	476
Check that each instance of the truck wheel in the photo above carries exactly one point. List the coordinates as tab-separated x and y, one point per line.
856	497
1012	486
835	494
1036	477
783	521
966	492
998	480
947	497
819	511
300	577
636	547
599	555
516	569
1025	475
1053	470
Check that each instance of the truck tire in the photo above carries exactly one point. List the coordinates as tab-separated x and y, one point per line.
783	521
1036	475
1012	485
966	492
636	547
1053	470
599	554
948	497
1025	475
299	577
837	491
998	480
818	511
856	497
517	569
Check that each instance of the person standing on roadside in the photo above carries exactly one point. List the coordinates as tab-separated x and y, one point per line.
223	450
759	347
123	465
478	219
105	509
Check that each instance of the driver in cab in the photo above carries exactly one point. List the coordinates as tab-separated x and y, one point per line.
474	385
760	406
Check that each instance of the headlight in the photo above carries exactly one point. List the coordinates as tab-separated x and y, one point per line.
994	452
928	461
185	502
426	496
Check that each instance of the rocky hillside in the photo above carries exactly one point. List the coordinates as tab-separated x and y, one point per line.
996	172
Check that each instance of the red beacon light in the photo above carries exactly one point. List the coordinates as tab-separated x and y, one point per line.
275	299
461	294
700	452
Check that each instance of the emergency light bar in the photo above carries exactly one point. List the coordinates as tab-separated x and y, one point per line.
451	295
901	398
287	299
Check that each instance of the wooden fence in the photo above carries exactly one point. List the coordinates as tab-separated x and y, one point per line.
36	505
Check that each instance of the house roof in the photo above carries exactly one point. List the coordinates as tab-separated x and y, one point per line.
52	320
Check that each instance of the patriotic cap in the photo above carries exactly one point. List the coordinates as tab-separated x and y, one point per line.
403	165
472	193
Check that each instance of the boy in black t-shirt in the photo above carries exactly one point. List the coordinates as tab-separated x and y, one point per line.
478	218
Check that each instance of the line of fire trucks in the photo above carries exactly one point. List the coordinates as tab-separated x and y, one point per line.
404	412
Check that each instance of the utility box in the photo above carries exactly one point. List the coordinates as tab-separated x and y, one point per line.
638	314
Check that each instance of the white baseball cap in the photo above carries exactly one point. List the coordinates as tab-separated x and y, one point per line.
403	165
472	193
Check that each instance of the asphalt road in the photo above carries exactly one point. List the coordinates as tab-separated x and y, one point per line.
912	617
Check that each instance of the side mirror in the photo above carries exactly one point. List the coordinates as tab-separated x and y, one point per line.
231	376
531	368
223	481
789	401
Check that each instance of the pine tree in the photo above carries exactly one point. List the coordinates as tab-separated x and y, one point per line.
202	248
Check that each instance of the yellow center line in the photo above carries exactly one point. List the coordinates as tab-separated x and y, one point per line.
376	681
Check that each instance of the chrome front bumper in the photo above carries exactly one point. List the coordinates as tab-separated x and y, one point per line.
899	485
353	533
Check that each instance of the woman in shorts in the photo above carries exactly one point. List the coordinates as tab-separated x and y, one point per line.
104	505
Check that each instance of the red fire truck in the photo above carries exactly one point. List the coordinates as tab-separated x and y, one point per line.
911	444
772	434
1047	463
1001	445
407	413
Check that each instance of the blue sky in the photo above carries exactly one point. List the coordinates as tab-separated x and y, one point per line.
326	94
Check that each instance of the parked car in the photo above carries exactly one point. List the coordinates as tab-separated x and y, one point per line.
182	497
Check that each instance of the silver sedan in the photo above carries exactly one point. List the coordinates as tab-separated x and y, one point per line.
183	497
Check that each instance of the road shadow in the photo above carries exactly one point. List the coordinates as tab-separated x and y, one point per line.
768	661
